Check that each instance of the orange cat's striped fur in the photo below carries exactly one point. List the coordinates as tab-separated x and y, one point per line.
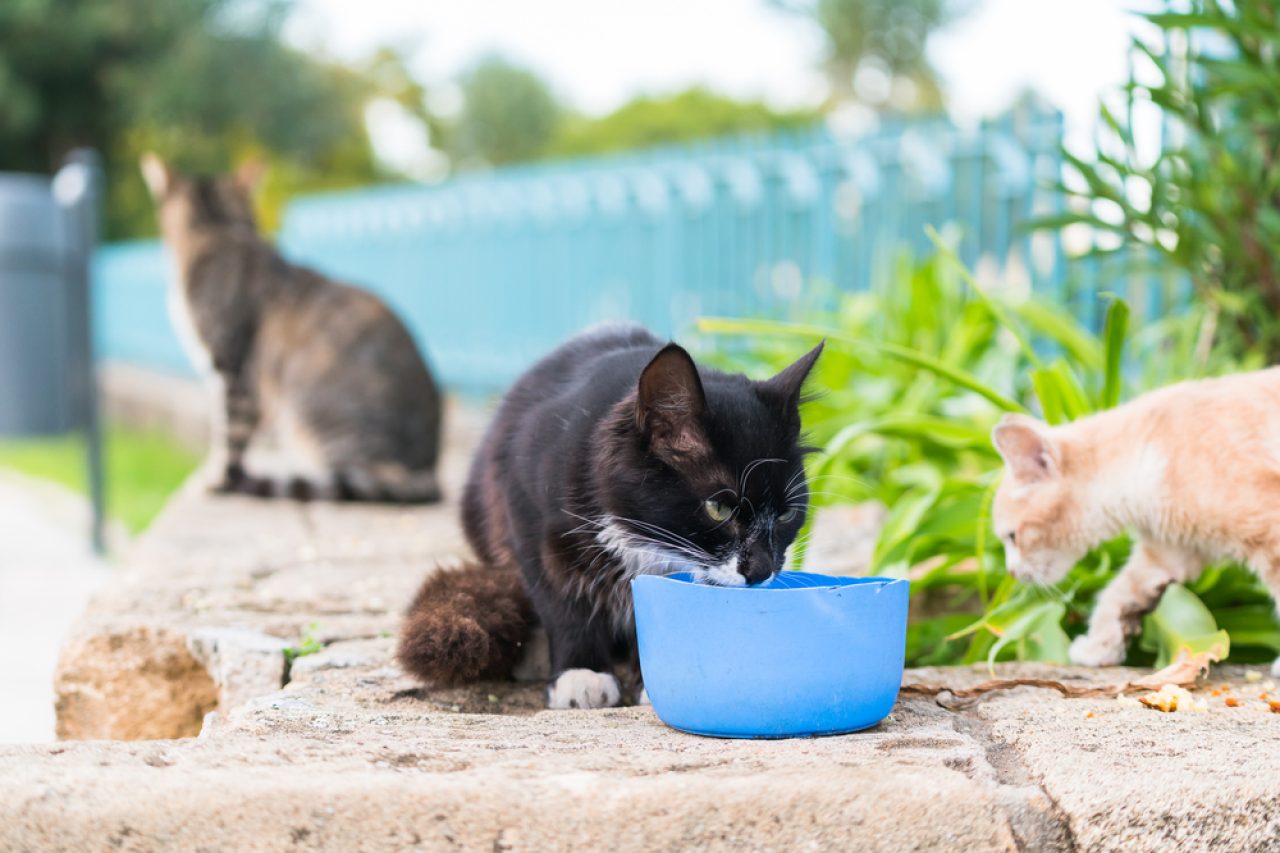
1193	470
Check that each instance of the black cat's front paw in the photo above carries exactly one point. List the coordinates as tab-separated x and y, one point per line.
584	688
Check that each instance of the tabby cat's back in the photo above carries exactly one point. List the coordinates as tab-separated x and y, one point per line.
328	369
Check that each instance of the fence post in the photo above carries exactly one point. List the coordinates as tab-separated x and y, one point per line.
78	190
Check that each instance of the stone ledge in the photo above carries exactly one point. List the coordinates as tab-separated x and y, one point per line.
341	751
352	754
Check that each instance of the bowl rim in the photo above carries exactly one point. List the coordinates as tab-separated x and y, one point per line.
684	579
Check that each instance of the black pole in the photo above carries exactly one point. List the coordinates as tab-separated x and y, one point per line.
78	189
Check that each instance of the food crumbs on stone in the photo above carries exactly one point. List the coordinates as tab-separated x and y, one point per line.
1170	698
1274	705
1231	702
1251	676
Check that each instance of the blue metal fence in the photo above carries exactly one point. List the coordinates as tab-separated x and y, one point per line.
492	270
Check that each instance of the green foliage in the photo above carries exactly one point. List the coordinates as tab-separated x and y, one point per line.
204	82
687	116
915	375
1208	204
1181	622
142	469
509	115
890	34
307	645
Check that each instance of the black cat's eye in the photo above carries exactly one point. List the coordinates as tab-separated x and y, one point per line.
788	516
717	511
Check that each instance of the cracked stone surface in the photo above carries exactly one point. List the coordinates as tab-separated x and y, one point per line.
185	729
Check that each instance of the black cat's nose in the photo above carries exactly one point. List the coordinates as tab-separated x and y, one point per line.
757	566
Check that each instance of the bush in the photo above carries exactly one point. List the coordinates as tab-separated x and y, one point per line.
916	373
1208	205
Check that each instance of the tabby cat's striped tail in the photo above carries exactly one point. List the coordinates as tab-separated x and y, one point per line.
380	483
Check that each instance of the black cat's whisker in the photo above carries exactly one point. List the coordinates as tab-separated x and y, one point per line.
746	472
837	477
587	523
819	478
670	547
664	550
661	544
655	530
829	494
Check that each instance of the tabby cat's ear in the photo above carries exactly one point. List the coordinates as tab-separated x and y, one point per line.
784	390
669	405
250	174
157	175
1027	447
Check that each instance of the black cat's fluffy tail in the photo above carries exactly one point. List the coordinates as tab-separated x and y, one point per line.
466	624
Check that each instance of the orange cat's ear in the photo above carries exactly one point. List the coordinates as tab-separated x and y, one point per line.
1026	447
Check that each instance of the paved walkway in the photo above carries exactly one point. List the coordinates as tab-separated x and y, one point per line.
47	573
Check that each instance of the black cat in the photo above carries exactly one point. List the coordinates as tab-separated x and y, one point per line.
614	456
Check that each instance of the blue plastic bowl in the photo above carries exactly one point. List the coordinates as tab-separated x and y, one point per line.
802	655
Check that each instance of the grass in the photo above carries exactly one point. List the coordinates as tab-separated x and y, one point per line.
143	469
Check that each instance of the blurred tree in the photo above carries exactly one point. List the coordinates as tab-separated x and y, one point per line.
886	36
508	115
204	82
689	115
1206	201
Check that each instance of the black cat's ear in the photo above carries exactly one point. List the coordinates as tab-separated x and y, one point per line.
670	404
784	389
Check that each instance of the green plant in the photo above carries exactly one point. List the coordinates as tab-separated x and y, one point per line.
143	469
307	645
916	373
1207	204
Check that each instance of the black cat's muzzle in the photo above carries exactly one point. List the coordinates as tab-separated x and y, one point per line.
759	564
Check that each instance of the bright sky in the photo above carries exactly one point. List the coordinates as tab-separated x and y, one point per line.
598	54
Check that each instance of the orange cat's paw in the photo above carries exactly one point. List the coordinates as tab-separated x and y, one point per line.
1089	650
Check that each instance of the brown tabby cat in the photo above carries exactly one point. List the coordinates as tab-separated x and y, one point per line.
331	368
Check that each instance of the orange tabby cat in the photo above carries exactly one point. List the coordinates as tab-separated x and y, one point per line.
1193	470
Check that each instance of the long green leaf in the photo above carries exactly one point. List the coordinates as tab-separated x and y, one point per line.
1182	622
1114	332
1045	383
996	310
963	378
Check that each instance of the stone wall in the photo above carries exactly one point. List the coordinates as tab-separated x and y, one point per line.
188	726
